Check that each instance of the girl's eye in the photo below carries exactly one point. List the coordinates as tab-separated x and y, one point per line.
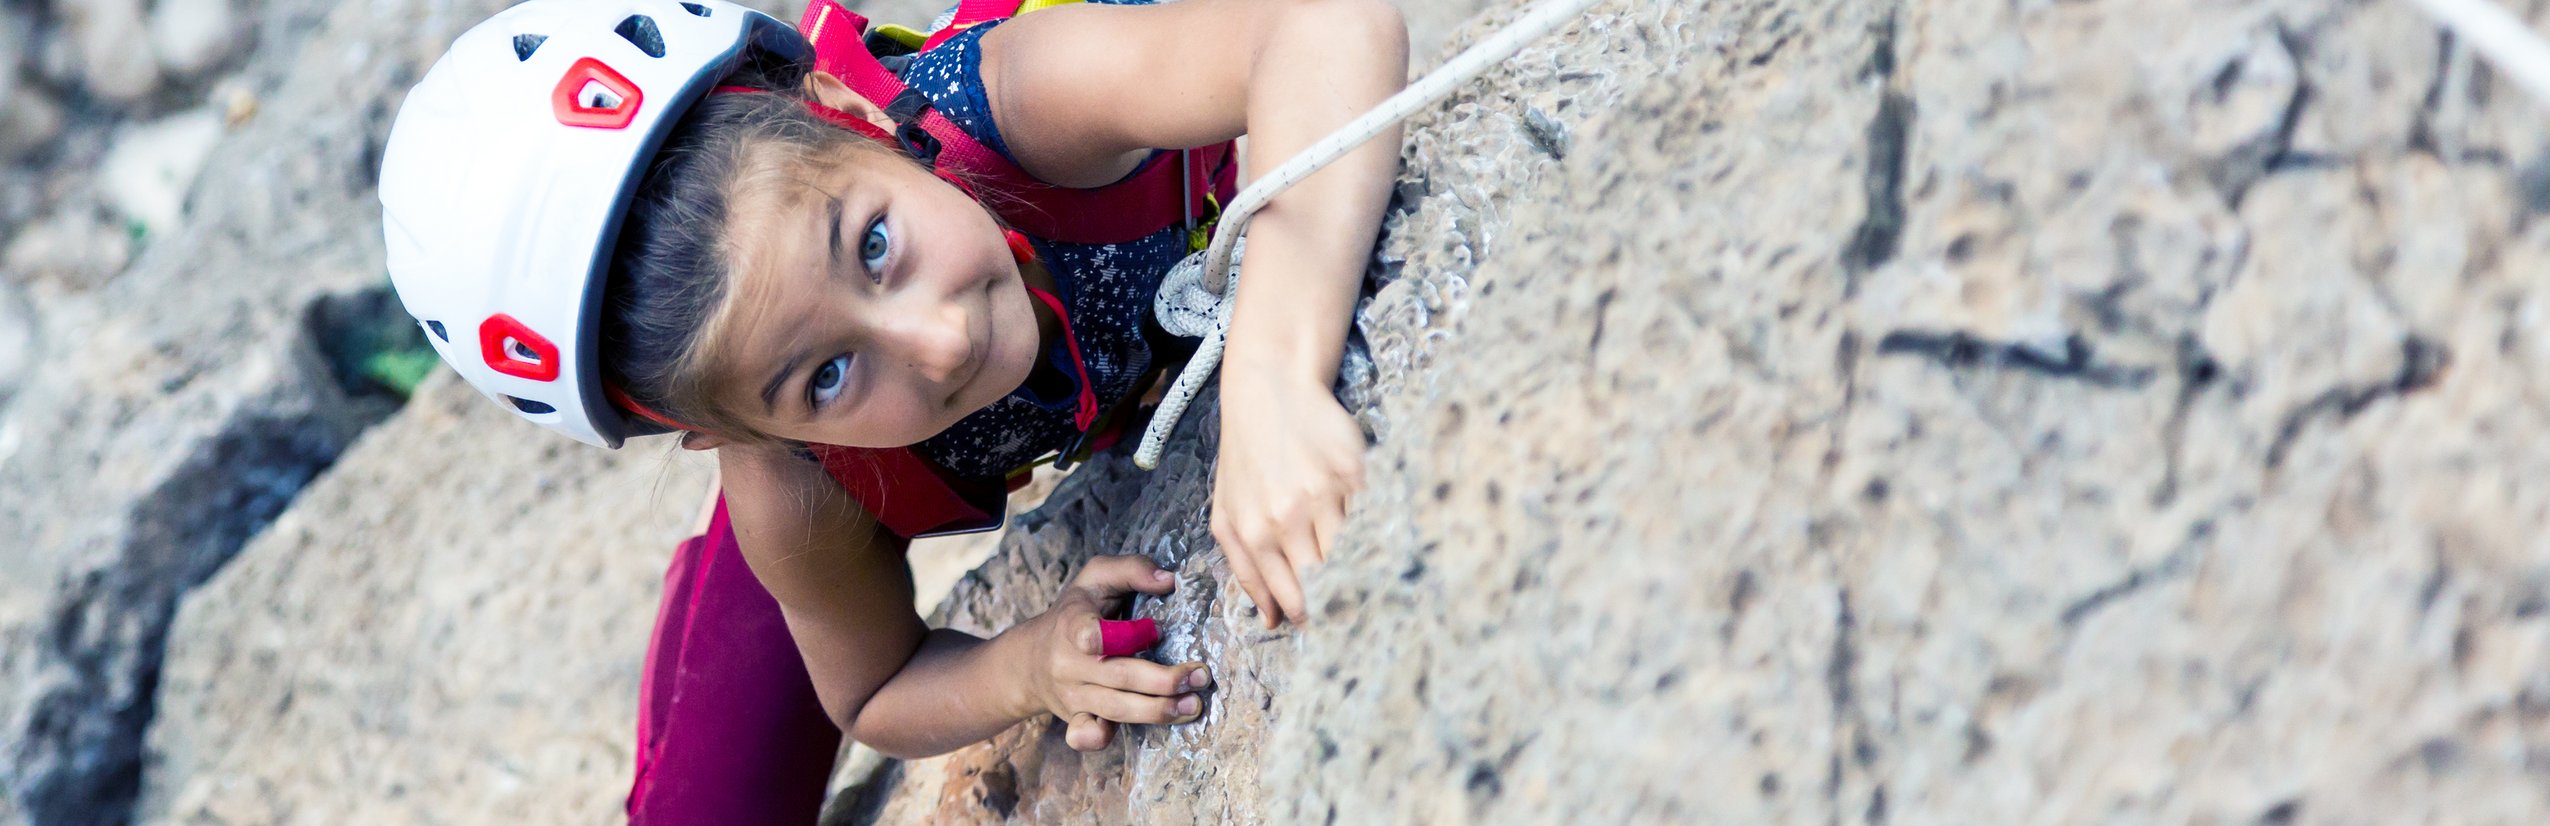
875	245
828	380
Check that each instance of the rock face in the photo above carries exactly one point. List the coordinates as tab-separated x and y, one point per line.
170	409
1927	410
468	648
1784	410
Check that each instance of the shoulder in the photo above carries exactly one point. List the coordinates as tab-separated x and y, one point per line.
784	507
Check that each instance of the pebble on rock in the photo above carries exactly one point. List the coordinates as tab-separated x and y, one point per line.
29	116
150	168
73	247
193	36
114	49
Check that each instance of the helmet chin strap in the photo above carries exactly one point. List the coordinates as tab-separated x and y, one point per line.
622	398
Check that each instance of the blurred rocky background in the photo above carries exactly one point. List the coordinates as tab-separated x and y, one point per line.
1784	410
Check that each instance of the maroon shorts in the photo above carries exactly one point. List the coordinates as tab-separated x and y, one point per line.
729	730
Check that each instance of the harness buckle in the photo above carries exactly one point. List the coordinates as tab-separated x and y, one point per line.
906	110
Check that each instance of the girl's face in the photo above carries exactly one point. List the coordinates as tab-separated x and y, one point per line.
873	308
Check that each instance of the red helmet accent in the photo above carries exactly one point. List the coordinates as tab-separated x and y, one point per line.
568	98
540	364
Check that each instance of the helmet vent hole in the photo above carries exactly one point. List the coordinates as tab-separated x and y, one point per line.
640	29
529	406
695	9
521	352
595	95
436	327
525	44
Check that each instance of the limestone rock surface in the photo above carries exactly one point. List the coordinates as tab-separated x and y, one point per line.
466	651
1783	410
1929	411
170	408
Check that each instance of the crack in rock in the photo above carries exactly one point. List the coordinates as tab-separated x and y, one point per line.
1962	350
2421	361
2234	171
83	747
2169	568
1880	232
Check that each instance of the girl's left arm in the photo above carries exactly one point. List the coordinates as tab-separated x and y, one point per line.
1085	92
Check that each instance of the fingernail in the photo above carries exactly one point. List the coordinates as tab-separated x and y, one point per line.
1163	575
1198	679
1189	705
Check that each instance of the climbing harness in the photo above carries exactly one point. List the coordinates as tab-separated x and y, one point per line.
511	164
1201	286
912	496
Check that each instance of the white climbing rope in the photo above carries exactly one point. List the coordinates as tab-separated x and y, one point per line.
1207	289
2506	40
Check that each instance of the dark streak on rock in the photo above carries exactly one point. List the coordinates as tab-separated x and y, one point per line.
2237	170
1739	600
84	740
2420	362
1978	744
1484	782
1602	316
1837	681
1959	349
1547	132
2421	127
2197	370
1880	233
2534	182
1845	365
2433	587
1881	60
2167	568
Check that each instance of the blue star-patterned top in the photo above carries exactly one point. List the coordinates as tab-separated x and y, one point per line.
1105	289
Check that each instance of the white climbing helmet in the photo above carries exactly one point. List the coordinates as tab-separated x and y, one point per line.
506	175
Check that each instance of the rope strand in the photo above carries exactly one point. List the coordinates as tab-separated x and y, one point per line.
1426	91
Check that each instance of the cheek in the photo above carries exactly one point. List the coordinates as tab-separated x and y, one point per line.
1020	338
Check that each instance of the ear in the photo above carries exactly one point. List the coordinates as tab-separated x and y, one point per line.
830	91
702	441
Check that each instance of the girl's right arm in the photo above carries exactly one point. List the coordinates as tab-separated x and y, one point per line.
888	679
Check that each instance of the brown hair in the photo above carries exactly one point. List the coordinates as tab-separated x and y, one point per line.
672	271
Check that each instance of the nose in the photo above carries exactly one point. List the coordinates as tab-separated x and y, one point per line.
936	341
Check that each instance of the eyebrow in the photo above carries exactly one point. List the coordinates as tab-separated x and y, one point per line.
770	392
832	210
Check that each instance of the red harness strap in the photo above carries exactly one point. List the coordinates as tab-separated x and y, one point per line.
1154	197
968	14
911	495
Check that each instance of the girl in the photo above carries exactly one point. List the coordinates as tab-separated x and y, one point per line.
621	217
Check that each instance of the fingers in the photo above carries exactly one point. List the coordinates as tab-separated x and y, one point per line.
1090	638
1086	732
1323	533
1108	577
1286	587
1146	677
1138	709
1244	570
